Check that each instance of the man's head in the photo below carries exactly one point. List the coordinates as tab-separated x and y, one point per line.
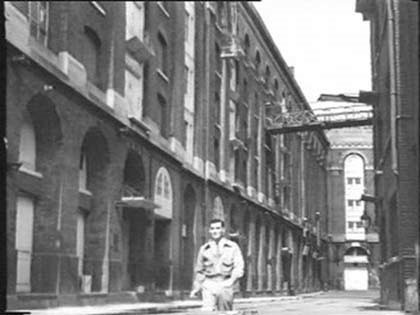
217	229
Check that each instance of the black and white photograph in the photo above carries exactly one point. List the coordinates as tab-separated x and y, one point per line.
210	157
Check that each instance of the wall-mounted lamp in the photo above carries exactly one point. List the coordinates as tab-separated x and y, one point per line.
366	220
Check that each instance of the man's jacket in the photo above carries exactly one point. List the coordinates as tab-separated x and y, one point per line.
223	259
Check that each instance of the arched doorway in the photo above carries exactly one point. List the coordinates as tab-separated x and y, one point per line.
356	276
93	166
163	247
135	223
40	147
188	235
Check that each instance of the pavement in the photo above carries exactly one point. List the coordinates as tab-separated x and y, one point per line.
161	308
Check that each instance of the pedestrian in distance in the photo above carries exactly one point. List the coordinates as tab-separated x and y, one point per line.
219	266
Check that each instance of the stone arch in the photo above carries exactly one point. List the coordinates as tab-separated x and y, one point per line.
41	127
354	153
163	246
135	226
91	219
41	111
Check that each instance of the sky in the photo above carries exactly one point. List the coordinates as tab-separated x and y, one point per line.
325	41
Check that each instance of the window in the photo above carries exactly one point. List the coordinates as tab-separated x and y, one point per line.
27	146
257	61
163	193
162	54
216	153
256	169
244	171
91	55
38	19
80	240
353	203
217	105
237	164
246	44
267	76
162	120
233	75
359	224
245	91
276	85
217	56
83	172
237	119
354	180
24	242
134	91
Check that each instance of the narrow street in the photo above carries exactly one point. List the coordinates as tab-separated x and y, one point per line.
334	302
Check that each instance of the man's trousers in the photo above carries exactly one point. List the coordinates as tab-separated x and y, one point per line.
216	295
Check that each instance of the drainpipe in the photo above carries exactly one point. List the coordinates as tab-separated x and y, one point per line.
206	107
393	84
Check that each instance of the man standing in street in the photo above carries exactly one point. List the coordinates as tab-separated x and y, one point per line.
219	265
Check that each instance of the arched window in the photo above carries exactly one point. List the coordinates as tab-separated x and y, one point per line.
91	55
247	44
257	61
354	188
162	54
162	119
218	209
267	76
83	172
163	193
27	146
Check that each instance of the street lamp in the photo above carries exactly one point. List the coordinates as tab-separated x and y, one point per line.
366	220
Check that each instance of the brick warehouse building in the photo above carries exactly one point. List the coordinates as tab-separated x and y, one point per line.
134	124
351	175
395	97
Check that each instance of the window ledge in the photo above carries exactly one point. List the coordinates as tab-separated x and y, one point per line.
98	7
31	172
162	75
162	8
85	191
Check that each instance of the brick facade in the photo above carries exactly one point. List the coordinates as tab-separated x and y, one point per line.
344	143
394	46
73	89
